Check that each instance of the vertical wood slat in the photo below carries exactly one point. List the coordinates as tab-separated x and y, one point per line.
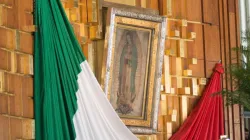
239	129
237	126
242	121
227	58
232	43
238	42
222	42
233	39
203	36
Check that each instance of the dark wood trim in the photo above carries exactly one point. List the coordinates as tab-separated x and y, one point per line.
203	36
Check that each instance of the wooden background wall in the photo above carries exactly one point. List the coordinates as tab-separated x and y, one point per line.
214	22
16	69
230	37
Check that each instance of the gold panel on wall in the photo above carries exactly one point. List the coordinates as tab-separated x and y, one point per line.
92	6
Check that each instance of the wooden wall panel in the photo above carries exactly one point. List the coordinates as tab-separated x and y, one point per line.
232	29
196	47
26	43
16	40
197	69
8	2
179	9
4	128
176	106
226	119
212	43
99	46
28	6
210	68
232	6
237	132
15	128
192	102
152	4
230	120
4	104
210	11
7	38
5	59
194	12
233	37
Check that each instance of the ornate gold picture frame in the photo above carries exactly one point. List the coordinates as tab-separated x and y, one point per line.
134	48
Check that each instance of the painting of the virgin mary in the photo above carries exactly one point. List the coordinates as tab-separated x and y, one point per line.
128	65
128	86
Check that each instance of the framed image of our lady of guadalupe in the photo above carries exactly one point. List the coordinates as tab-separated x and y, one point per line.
134	48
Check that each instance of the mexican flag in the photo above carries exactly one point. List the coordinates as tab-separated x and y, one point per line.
69	103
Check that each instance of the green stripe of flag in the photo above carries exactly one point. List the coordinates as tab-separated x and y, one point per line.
57	59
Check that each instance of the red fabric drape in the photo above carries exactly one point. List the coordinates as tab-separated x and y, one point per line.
206	121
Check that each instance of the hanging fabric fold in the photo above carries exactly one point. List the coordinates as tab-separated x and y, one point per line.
69	102
206	121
